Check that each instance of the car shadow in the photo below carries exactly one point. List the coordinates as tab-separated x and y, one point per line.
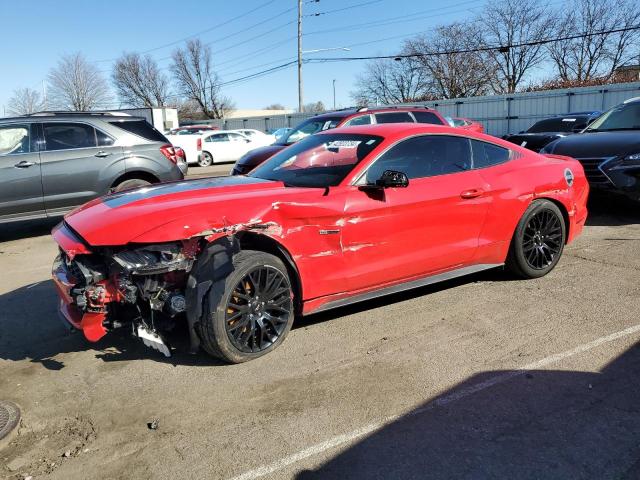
32	330
26	229
551	424
612	210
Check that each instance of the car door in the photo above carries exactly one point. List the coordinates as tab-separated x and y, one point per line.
20	182
238	145
430	226
72	163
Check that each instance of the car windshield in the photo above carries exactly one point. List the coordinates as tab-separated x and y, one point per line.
621	117
317	161
310	127
560	124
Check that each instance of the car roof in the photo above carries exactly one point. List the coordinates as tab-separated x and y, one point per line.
347	112
394	129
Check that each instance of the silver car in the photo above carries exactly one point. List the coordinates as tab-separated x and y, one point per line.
52	162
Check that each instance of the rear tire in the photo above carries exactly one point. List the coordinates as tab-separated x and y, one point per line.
129	184
538	242
206	160
254	311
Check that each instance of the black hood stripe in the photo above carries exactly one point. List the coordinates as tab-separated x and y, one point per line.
130	196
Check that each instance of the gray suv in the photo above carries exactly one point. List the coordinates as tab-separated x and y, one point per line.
53	162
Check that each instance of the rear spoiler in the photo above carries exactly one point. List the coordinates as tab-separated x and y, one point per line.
557	157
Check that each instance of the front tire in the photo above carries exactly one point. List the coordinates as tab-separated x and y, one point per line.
254	312
538	242
206	160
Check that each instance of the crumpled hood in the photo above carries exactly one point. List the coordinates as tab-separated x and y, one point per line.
598	144
175	211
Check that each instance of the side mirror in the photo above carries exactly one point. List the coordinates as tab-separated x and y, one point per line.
393	179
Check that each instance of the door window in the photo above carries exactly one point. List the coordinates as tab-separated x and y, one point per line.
486	154
14	139
361	120
234	137
427	117
394	117
218	137
424	156
65	136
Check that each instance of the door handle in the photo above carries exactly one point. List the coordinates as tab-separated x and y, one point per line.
24	164
102	154
472	193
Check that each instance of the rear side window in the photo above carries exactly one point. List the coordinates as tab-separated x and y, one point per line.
219	137
141	128
66	136
104	140
486	154
394	117
427	117
14	139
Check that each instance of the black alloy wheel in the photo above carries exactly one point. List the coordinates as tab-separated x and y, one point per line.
258	309
542	239
538	241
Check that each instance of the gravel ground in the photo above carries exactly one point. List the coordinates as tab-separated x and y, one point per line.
481	377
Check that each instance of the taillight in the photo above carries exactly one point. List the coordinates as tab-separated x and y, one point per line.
180	153
199	144
169	152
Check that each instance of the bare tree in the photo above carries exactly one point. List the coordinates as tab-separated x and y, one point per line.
194	75
139	82
447	56
76	84
188	109
600	51
392	81
275	106
25	101
510	24
315	107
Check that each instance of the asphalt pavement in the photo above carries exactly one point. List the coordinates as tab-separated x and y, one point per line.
480	377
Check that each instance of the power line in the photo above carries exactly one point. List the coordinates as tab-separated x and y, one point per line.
222	24
477	50
342	9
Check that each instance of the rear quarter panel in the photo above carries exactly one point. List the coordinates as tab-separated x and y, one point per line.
517	183
148	158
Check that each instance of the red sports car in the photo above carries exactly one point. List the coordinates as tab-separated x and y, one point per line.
339	217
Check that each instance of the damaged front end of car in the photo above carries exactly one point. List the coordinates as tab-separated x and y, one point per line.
139	287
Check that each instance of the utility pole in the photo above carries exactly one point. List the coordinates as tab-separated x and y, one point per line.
44	95
300	101
334	93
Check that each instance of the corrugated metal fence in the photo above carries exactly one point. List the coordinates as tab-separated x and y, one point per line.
500	114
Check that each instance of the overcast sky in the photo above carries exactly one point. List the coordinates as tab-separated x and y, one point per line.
37	32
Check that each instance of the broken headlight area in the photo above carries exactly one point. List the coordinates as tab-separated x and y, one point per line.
141	288
153	259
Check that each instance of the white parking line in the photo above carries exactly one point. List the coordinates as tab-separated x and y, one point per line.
445	400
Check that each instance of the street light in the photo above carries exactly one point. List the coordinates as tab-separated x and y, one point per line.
334	93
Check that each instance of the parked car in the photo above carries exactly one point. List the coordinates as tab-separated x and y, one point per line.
259	139
340	217
608	149
545	131
468	124
339	118
209	148
192	130
52	162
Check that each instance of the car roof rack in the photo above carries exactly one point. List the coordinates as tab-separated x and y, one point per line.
391	107
53	113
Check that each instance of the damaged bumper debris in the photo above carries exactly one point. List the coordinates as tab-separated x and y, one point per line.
102	289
